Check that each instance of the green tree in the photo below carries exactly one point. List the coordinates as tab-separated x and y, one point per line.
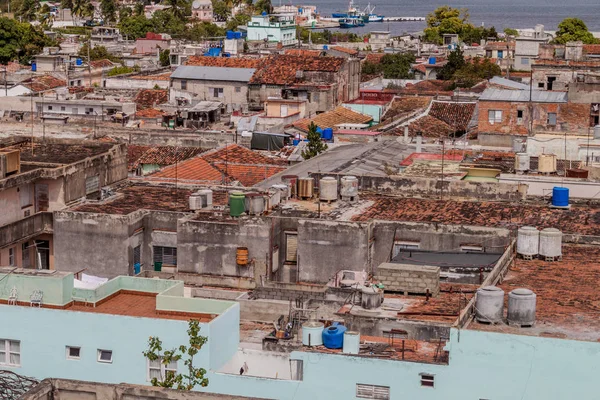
456	61
203	30
475	71
445	20
20	41
108	9
135	27
238	20
574	29
221	10
97	53
138	9
45	17
82	8
124	12
167	22
26	9
181	381
164	57
66	4
179	8
315	144
263	6
397	66
511	32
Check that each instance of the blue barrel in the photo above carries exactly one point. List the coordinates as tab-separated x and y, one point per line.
34	66
333	337
320	131
432	60
327	134
78	62
295	142
560	196
136	268
229	35
325	47
237	35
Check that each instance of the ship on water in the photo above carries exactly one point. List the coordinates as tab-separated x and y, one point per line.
366	15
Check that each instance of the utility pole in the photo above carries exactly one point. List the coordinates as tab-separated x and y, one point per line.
530	103
89	61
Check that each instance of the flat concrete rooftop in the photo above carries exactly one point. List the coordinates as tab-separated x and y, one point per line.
446	260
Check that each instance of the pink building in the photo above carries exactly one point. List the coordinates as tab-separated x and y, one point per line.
202	10
152	42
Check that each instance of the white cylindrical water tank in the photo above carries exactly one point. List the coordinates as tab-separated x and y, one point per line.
521	307
255	203
518	145
522	162
597	132
489	304
547	163
328	188
528	241
195	202
349	188
207	197
550	243
284	190
351	342
312	333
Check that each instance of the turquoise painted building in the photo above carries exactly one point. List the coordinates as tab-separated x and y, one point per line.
279	28
119	316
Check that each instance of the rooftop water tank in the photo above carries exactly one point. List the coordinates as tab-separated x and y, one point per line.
521	307
432	60
206	196
489	304
518	145
371	297
551	244
229	35
274	198
560	196
283	189
292	183
351	342
327	134
255	203
34	66
597	132
547	163
522	162
306	187
333	337
195	202
327	189
528	242
312	333
236	203
78	62
349	188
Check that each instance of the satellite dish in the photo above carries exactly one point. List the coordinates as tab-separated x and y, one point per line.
196	4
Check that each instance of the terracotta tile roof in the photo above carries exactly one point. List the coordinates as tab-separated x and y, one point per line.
406	105
429	87
374	58
104	63
457	115
43	83
148	98
329	119
149	113
229	62
421	68
500	45
248	175
352	52
14	67
303	52
195	169
158	77
591	49
142	197
241	155
584	220
167	155
134	152
281	69
428	126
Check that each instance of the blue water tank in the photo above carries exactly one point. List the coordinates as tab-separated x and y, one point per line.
136	268
327	134
34	66
78	62
333	337
300	10
432	60
325	47
229	34
560	196
320	131
264	14
295	142
237	35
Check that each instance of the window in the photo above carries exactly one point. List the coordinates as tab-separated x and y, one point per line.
552	119
500	54
238	89
89	111
400	245
183	85
73	353
11	256
165	255
49	108
525	61
62	108
10	352
372	392
494	116
158	370
427	380
217	92
92	184
25	196
541	85
105	356
519	116
291	247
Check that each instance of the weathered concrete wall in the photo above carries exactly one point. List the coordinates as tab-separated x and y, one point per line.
159	229
325	247
377	326
427	187
289	291
496	139
416	279
209	247
26	228
199	280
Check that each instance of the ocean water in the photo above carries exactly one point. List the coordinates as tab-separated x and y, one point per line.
499	13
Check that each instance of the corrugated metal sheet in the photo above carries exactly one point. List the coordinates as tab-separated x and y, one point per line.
213	73
497	80
537	96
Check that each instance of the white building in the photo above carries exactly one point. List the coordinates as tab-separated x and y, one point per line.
279	28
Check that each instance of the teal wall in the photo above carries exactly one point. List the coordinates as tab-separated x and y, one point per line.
56	289
372	110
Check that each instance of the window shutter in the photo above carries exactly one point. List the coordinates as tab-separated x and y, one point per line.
291	247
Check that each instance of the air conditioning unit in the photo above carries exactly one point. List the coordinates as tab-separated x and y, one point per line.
10	163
